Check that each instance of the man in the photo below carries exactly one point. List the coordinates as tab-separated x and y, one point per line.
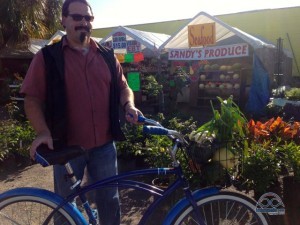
73	90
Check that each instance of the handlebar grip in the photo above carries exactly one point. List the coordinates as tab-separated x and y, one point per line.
39	157
155	130
141	119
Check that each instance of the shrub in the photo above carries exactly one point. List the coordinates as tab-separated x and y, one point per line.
15	138
261	167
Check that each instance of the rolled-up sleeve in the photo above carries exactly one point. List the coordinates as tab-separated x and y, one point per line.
34	83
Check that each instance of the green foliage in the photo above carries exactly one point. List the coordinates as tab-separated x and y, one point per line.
134	141
290	154
151	86
154	148
20	21
228	123
15	138
293	94
16	134
261	167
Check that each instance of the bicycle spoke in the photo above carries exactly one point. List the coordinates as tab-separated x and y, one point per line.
222	210
5	218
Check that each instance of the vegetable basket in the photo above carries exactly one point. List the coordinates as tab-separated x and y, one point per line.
216	163
220	141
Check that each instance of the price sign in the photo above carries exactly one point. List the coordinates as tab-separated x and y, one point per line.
119	40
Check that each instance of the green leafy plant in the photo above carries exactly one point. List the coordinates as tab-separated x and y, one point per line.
154	148
227	124
15	138
290	154
16	134
151	87
293	94
261	167
134	141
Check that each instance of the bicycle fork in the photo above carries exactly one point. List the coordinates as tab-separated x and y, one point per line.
196	211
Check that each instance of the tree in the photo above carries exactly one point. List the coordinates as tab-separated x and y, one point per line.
24	19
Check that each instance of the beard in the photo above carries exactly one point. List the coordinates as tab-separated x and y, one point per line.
82	37
86	31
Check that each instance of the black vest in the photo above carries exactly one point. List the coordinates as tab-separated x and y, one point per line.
55	111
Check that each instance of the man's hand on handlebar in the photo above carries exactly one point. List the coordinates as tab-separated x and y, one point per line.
42	138
132	114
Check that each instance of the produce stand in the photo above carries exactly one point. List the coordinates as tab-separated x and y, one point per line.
222	61
138	52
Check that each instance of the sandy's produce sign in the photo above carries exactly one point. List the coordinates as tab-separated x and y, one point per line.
206	53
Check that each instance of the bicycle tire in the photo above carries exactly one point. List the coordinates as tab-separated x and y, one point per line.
222	209
31	210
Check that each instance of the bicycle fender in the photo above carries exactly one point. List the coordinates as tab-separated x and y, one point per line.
48	195
184	202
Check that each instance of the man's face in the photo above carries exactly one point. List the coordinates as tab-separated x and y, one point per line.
78	23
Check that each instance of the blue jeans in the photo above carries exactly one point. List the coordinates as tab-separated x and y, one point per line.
99	162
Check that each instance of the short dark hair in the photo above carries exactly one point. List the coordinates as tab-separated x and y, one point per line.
66	4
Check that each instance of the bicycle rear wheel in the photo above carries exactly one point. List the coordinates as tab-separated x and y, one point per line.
223	209
31	210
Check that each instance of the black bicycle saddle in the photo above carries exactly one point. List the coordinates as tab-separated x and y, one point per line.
47	157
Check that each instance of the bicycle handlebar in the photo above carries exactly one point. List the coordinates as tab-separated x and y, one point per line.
158	129
155	130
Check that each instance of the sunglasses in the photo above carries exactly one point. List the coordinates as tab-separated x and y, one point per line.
78	17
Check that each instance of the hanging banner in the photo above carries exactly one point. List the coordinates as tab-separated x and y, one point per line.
119	40
133	46
134	81
138	57
120	57
129	58
202	34
217	52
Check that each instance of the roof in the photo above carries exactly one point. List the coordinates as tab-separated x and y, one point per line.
148	40
34	47
224	34
58	34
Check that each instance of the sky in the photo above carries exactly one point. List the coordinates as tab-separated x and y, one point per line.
112	13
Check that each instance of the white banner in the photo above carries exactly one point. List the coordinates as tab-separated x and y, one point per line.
216	52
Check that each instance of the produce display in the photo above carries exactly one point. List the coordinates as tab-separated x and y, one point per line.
217	80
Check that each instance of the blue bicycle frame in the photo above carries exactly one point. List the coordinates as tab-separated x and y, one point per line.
121	181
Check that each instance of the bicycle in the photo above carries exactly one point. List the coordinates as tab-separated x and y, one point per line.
206	206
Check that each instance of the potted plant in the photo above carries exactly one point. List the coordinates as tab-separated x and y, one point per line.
151	88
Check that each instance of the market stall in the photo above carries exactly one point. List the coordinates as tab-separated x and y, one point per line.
138	51
222	61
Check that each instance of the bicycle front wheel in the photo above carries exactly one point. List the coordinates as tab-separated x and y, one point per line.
31	210
223	209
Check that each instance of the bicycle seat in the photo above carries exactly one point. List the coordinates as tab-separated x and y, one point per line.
47	157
